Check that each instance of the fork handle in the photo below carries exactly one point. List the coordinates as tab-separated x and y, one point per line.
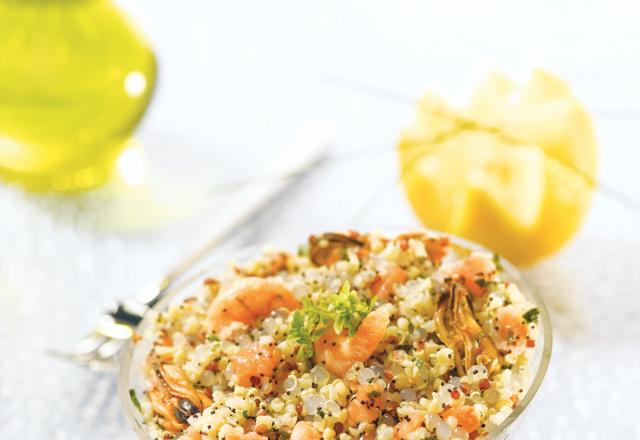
306	154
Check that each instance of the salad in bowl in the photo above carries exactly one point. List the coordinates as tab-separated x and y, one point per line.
416	335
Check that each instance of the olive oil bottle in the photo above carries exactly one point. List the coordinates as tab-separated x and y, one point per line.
75	79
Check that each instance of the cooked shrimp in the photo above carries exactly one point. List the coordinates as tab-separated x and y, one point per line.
195	434
402	430
191	434
339	352
305	431
246	436
465	415
255	363
383	286
173	398
366	405
473	271
511	327
250	299
436	247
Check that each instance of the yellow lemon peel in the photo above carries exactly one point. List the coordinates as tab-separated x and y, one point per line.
514	170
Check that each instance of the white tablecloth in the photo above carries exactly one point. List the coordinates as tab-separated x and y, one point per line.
236	81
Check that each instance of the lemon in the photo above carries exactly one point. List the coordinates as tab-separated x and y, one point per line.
514	170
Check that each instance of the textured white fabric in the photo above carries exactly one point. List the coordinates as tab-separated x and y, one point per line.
237	81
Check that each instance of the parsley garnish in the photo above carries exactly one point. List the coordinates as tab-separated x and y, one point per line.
302	331
531	315
212	338
348	309
345	310
134	399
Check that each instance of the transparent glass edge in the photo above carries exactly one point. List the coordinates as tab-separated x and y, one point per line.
133	417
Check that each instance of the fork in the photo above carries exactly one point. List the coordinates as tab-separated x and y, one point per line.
99	349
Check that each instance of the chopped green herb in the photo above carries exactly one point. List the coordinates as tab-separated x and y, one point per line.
320	413
419	362
246	415
498	262
301	329
348	309
480	281
212	338
373	394
134	399
344	310
531	315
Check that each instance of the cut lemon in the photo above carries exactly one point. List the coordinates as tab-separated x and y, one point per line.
514	170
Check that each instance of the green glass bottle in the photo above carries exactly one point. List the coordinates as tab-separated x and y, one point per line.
75	79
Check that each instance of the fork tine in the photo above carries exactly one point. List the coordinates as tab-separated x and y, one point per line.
112	329
103	366
82	349
110	349
105	357
99	348
101	358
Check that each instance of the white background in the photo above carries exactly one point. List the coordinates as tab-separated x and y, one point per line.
236	82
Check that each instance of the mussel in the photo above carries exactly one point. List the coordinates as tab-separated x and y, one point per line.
173	398
329	248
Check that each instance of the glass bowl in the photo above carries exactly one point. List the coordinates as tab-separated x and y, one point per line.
131	377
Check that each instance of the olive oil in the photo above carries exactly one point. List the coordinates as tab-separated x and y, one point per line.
75	80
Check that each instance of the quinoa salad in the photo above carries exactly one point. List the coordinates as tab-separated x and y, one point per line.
356	335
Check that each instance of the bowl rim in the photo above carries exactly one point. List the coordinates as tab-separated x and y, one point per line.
245	253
